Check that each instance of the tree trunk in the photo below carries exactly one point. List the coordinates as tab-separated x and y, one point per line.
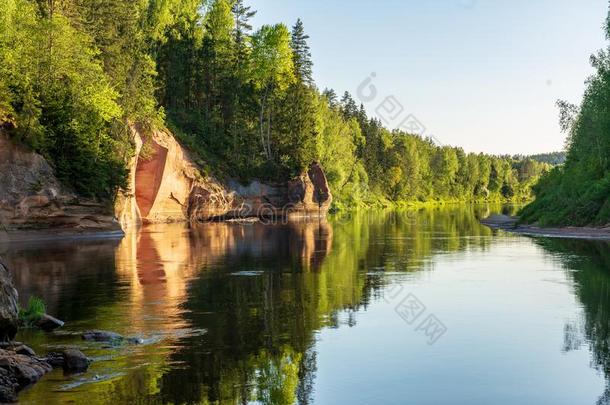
266	149
261	124
269	133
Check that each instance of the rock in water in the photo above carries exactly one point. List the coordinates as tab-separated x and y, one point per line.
102	336
17	371
23	349
9	311
49	323
55	359
135	340
75	361
500	221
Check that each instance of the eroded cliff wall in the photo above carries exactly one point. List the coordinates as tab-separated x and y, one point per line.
165	185
31	197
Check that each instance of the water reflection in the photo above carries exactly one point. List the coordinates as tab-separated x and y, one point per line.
588	264
231	312
229	280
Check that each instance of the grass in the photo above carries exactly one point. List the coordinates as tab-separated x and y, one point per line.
34	311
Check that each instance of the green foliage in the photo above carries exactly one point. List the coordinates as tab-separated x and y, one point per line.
33	312
553	158
250	107
272	61
578	193
301	54
60	100
75	74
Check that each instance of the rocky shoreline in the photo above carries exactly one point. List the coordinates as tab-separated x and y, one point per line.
511	224
20	366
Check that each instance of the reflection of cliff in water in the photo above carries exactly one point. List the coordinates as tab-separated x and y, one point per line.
589	266
141	285
74	278
260	292
259	309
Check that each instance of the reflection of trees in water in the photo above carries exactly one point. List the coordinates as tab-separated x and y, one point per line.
260	343
261	292
259	327
307	373
589	266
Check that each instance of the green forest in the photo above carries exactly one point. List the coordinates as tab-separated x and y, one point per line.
75	74
578	192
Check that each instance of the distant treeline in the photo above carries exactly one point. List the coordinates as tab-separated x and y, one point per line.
553	158
578	192
75	73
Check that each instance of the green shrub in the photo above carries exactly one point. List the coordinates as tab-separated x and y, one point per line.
34	312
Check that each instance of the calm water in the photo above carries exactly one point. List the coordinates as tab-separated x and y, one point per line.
379	308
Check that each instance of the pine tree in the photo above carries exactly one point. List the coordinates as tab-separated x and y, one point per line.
331	97
242	29
216	56
349	106
302	55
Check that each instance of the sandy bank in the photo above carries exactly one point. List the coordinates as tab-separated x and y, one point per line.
511	224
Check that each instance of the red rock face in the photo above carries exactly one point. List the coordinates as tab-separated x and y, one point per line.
321	194
149	173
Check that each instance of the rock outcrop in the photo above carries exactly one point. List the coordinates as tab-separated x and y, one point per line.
162	176
166	185
31	197
71	360
9	310
19	369
74	361
102	336
306	196
49	323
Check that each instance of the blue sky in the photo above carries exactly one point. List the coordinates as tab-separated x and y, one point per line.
480	74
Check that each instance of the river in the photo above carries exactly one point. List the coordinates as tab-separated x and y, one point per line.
380	307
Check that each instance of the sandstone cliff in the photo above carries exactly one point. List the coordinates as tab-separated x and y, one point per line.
32	198
165	185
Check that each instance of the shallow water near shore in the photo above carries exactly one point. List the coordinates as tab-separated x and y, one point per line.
388	307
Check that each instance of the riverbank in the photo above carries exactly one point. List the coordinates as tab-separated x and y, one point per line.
380	203
511	224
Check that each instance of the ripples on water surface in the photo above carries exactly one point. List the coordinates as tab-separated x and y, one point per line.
332	312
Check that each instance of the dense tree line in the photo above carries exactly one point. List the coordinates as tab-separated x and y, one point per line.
75	73
553	158
578	193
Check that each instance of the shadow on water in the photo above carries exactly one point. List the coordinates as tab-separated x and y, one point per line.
232	311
